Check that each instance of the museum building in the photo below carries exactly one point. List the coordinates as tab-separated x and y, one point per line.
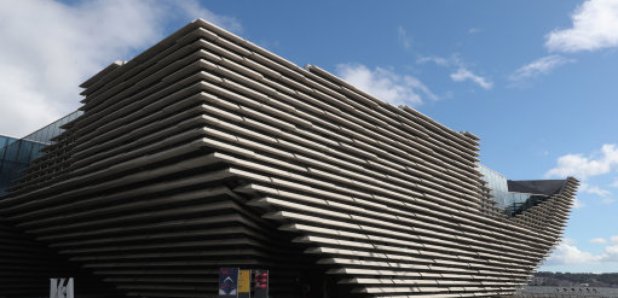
208	151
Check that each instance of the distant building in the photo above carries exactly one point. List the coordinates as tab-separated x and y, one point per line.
207	151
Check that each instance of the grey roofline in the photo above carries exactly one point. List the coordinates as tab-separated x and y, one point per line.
544	187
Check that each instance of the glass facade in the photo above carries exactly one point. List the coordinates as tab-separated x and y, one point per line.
512	203
497	184
6	166
16	154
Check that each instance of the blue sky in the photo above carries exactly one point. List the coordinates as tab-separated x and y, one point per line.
535	80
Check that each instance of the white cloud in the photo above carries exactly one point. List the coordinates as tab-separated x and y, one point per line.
538	67
566	252
49	48
385	84
598	240
463	74
583	167
610	253
577	204
614	239
595	190
403	37
594	26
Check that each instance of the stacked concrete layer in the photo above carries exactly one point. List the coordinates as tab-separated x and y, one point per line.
23	261
26	266
208	151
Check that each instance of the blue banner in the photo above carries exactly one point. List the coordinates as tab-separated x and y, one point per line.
228	282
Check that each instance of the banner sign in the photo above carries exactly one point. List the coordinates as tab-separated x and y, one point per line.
228	282
260	278
61	288
244	283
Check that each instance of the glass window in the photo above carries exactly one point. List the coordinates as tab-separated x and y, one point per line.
17	154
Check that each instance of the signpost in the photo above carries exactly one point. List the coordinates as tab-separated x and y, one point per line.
228	282
61	288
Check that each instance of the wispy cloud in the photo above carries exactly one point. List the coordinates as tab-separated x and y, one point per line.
385	84
462	74
605	196
440	61
42	62
598	241
594	26
404	39
595	190
541	66
460	71
474	30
